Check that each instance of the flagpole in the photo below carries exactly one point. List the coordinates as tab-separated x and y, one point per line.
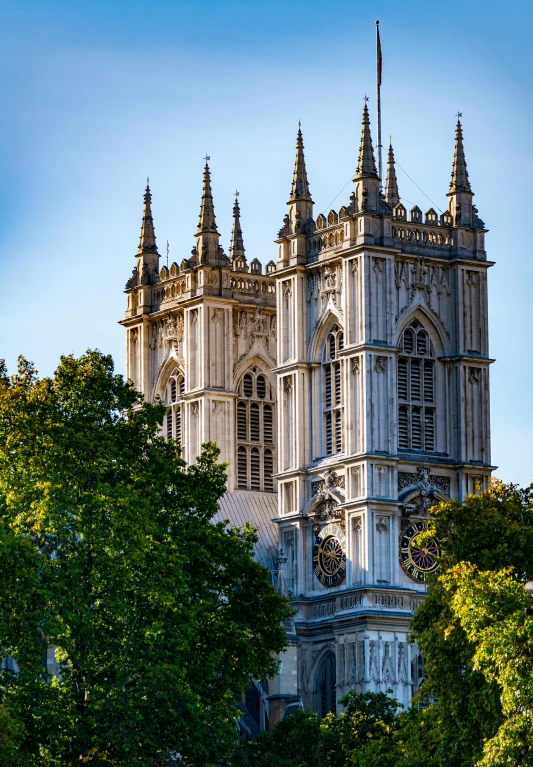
378	99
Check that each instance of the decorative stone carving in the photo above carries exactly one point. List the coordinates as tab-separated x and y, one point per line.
379	266
356	365
474	375
424	480
373	668
382	524
427	484
331	479
402	663
387	666
380	365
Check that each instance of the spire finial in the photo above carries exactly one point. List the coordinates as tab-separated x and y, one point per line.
366	166
391	186
460	181
236	248
147	242
300	185
207	221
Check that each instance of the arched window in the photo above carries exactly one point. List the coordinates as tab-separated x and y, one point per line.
326	686
255	432
416	390
174	398
332	383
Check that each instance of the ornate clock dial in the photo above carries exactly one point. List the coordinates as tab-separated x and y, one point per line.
329	555
418	561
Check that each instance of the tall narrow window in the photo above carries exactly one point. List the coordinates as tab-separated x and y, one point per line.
255	430
416	390
242	469
174	392
327	686
333	394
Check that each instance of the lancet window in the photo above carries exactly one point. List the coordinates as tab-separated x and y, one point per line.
416	390
326	686
174	422
255	432
333	391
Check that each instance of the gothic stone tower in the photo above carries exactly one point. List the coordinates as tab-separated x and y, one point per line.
202	337
383	391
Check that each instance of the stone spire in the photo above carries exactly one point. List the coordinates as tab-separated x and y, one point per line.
300	184
460	194
460	181
207	221
207	237
391	186
147	241
236	248
366	167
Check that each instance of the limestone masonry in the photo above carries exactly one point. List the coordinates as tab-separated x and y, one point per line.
347	387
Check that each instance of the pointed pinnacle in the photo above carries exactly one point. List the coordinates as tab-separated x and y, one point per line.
207	222
300	185
147	242
366	167
460	181
236	248
391	186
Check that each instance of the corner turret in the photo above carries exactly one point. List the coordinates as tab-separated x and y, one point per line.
207	248
366	179
460	193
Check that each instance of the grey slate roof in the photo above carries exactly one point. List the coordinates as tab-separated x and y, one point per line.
240	507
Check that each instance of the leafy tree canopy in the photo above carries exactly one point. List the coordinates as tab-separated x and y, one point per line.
111	567
490	531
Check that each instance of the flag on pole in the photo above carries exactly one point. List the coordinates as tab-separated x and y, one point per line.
380	59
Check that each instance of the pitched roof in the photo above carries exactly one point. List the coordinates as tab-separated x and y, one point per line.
259	509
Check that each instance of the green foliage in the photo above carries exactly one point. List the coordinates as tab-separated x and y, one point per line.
492	531
366	734
108	554
490	608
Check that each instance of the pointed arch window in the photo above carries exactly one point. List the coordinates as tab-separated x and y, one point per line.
326	686
416	390
255	432
173	427
333	392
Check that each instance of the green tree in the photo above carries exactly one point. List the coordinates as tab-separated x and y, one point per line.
490	609
158	617
492	530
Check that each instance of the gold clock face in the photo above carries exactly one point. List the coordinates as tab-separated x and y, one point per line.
329	555
418	559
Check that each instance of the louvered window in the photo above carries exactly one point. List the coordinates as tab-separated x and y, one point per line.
173	427
416	388
333	411
269	470
255	472
328	385
329	435
261	387
338	431
338	383
429	385
241	422
178	424
267	424
255	429
242	469
248	385
254	422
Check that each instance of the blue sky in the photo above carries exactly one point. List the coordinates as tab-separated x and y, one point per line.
97	95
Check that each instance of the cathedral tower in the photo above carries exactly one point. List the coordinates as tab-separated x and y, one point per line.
201	336
383	390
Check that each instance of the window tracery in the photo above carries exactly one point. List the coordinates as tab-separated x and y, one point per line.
416	390
255	432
